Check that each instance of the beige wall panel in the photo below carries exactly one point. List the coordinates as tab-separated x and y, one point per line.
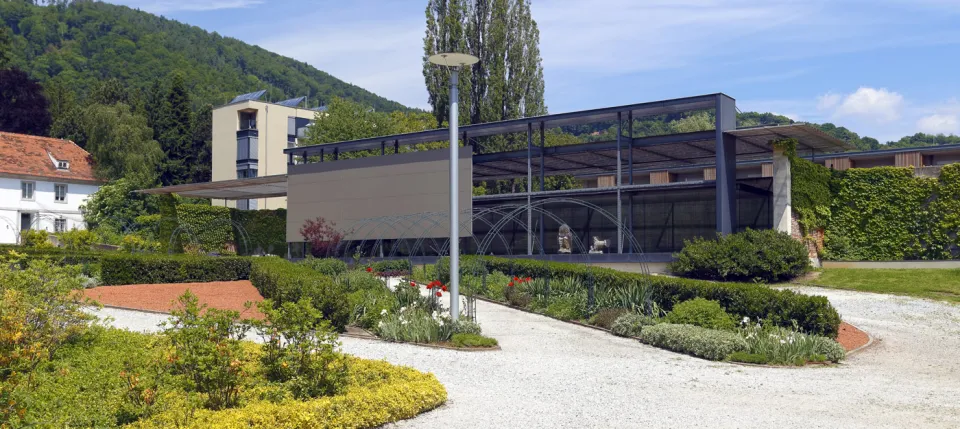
347	192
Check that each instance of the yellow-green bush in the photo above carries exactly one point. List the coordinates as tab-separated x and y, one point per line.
377	393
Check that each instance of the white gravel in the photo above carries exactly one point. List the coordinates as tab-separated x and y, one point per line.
552	374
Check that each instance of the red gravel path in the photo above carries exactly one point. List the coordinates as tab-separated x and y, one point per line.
850	337
163	297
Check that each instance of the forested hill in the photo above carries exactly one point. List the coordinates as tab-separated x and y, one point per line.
83	42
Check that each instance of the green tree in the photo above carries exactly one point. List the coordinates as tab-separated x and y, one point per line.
507	83
5	46
174	127
121	145
347	120
201	141
23	107
116	206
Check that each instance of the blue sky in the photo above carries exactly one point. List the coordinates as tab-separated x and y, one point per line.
883	68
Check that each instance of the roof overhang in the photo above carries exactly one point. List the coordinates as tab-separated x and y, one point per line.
809	138
238	189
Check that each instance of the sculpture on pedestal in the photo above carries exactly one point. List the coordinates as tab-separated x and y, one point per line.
565	238
599	245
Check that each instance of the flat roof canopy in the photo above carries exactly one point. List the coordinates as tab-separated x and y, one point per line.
651	153
237	189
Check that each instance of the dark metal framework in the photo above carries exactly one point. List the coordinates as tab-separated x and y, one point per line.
624	156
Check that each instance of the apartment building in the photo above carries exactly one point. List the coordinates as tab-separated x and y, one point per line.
249	136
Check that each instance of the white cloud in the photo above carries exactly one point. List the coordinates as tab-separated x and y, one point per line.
166	6
878	105
828	101
939	124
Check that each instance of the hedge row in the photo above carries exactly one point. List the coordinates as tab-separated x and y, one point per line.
283	281
124	269
813	314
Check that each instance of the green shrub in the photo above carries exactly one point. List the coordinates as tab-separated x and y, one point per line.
391	266
35	238
133	243
415	325
700	312
472	340
76	239
358	280
784	346
745	357
631	324
207	351
283	281
814	314
326	266
566	308
300	349
368	306
517	297
127	269
466	326
605	317
635	295
752	255
693	340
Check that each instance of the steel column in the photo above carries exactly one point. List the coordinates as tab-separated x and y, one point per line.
530	189
630	172
726	120
543	145
619	180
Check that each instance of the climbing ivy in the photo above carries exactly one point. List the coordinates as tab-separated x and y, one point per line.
943	239
265	230
207	227
880	214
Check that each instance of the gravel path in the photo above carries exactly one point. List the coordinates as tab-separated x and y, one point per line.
556	375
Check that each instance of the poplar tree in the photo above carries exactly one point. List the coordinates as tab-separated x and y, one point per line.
175	122
507	83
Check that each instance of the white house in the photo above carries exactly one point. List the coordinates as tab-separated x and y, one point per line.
43	183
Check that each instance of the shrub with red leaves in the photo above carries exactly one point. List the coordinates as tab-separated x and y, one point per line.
322	236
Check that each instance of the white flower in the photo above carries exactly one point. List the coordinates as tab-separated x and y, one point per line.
782	342
402	309
383	312
380	325
403	322
440	322
746	320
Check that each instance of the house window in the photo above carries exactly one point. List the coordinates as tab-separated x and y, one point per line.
59	225
26	190
63	165
60	193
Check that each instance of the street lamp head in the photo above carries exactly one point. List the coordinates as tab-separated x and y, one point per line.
453	59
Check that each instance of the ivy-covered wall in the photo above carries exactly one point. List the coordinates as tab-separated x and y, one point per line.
208	227
265	230
878	214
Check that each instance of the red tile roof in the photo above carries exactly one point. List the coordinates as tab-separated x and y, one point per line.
26	155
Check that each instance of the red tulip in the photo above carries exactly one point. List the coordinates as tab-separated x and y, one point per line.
412	284
510	284
430	286
529	279
516	279
439	293
444	288
369	269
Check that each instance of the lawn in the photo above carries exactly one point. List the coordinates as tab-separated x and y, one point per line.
939	284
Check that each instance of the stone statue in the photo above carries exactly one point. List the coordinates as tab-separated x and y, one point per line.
599	245
565	238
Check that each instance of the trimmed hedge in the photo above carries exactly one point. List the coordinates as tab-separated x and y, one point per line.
326	266
283	281
208	227
813	314
752	255
377	393
129	269
694	340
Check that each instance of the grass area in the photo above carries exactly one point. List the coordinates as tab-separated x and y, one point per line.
942	284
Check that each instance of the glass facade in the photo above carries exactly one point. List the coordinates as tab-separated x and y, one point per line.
660	219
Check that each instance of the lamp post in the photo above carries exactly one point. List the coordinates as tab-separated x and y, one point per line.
454	61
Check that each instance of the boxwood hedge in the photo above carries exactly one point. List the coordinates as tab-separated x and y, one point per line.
283	281
813	314
128	269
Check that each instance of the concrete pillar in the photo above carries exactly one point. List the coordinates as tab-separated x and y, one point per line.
726	120
782	207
